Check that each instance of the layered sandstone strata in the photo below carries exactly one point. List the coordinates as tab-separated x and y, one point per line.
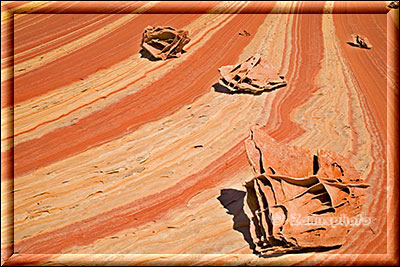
255	74
164	42
298	200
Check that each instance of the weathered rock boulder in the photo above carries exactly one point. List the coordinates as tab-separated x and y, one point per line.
164	42
255	75
300	201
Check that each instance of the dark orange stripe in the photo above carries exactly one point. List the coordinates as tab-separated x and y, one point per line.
116	46
160	99
52	27
368	66
301	85
101	98
138	212
55	29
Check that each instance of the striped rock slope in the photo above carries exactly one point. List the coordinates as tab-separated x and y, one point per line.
108	157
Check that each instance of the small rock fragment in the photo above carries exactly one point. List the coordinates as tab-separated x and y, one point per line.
244	33
138	169
360	41
164	42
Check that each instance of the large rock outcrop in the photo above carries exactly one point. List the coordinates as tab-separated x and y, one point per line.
298	200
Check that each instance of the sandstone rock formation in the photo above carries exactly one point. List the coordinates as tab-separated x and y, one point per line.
164	42
298	201
360	41
254	75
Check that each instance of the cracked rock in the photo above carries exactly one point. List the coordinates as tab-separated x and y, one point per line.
254	75
164	42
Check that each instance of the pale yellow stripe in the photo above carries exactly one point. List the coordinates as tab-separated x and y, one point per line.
51	106
48	57
324	116
163	148
43	59
64	94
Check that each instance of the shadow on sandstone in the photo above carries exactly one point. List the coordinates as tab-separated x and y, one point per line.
356	45
233	201
222	89
145	54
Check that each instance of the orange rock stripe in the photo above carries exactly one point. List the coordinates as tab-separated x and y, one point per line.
99	99
137	109
362	61
372	63
7	93
56	31
67	27
138	212
301	81
121	44
8	84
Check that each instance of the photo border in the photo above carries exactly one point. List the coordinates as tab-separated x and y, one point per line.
8	257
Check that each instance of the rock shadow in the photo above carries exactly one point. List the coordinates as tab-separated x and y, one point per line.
145	54
356	45
298	251
222	89
233	201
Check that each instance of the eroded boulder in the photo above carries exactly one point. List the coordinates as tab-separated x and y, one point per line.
298	200
255	75
164	42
